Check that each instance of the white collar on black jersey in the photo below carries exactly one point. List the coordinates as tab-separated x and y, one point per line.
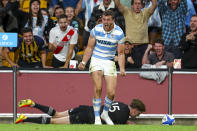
111	5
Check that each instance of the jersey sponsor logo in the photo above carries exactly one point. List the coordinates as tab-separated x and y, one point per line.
104	42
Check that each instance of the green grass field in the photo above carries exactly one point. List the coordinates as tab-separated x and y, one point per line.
37	127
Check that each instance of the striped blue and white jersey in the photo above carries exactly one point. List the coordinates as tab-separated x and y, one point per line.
106	42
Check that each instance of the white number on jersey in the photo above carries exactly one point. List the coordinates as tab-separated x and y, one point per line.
114	107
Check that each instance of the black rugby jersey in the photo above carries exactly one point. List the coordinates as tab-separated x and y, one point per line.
119	113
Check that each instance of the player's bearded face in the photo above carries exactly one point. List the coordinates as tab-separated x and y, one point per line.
63	23
108	23
28	37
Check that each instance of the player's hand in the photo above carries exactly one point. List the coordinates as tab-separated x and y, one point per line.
81	66
122	72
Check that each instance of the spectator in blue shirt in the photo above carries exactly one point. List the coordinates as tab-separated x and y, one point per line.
173	13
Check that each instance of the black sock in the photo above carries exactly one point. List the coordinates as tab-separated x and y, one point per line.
39	120
46	109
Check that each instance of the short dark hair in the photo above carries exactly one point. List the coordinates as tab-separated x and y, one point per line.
132	2
62	17
26	29
109	13
58	7
161	41
138	104
194	16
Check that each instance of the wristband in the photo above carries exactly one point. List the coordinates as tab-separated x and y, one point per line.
83	63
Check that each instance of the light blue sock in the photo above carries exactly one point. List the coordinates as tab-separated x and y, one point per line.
96	106
107	104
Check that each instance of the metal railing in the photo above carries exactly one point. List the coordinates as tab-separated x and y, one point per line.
16	70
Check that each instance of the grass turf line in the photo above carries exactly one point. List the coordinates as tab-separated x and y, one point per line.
80	127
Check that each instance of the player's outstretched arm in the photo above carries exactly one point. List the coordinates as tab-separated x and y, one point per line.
121	59
88	52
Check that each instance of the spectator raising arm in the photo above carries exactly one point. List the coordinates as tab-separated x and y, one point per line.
153	6
145	59
78	8
162	6
119	5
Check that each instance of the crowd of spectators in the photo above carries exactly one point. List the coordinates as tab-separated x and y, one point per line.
143	21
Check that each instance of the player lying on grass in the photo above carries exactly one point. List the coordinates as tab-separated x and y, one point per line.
119	113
